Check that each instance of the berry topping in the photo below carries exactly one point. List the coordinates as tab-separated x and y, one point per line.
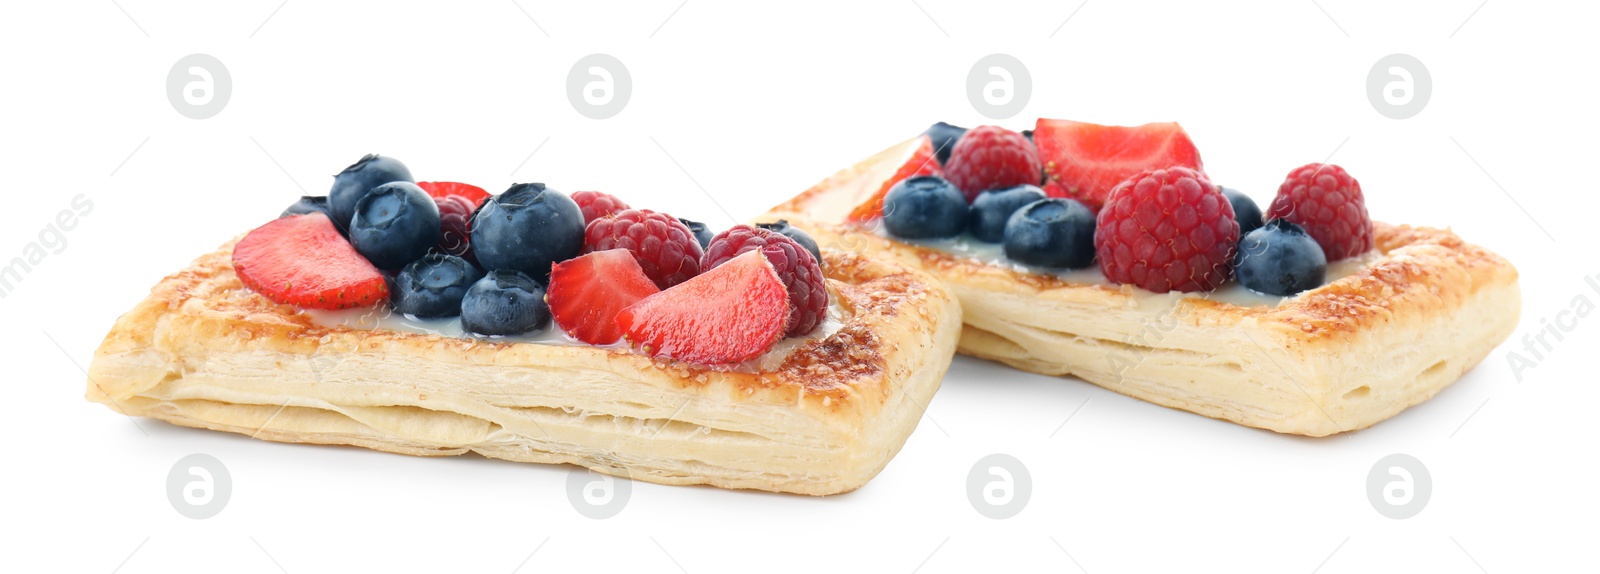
352	184
664	246
1328	204
702	234
473	194
1056	233
309	204
920	162
944	137
595	204
1167	230
729	314
800	271
1281	259
526	229
924	207
990	211
455	217
1245	210
992	157
395	224
804	239
1086	161
587	292
504	302
303	261
433	286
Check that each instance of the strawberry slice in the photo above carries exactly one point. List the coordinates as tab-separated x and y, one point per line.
587	292
440	189
303	261
732	313
922	161
1085	161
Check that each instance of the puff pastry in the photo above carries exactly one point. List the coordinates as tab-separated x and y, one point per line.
1424	309
203	351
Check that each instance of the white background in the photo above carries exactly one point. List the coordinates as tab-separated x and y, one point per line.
743	105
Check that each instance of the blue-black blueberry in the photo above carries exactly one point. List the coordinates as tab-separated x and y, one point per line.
352	184
395	224
504	302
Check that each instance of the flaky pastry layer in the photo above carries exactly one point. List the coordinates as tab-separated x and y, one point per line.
204	351
1340	357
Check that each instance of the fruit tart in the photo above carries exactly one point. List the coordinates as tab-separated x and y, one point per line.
1107	253
436	319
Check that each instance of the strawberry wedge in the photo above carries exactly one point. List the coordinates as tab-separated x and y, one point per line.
920	162
1085	161
730	314
302	260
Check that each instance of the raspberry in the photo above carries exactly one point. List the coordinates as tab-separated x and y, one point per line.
664	246
437	189
455	212
992	157
801	273
1167	230
1328	204
595	204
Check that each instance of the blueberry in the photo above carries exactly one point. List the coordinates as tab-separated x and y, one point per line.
352	184
944	138
526	229
792	232
990	211
394	225
309	204
504	302
433	286
1280	258
924	207
700	232
1056	233
1028	134
1245	210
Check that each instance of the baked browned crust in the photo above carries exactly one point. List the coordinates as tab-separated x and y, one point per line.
1418	275
853	384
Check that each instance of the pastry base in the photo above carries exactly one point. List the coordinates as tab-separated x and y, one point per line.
1337	358
203	351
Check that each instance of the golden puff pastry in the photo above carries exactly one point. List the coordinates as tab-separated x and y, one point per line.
823	418
1406	321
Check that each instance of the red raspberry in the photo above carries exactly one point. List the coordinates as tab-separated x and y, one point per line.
992	157
595	204
1328	204
801	273
455	212
437	189
1167	230
664	246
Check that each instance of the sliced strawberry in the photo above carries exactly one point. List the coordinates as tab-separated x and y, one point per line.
1085	161
303	261
921	161
437	189
729	314
587	292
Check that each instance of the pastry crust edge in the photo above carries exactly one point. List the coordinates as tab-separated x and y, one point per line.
858	392
1426	282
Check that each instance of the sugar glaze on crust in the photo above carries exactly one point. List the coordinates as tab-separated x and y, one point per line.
202	350
1339	357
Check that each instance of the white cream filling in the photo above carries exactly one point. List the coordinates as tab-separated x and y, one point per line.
1232	292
